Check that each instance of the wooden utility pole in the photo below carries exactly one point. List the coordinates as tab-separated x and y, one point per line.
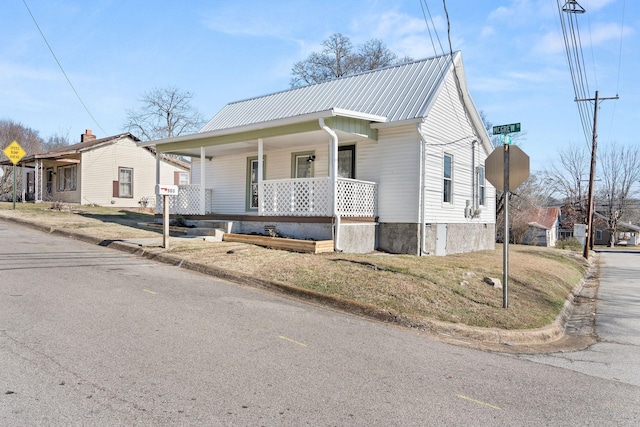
592	173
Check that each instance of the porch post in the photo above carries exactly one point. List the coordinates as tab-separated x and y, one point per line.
158	198
157	166
260	171
203	191
36	181
24	182
42	180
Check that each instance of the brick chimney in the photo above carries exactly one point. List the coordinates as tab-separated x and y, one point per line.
87	136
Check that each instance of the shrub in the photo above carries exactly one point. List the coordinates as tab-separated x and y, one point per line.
571	244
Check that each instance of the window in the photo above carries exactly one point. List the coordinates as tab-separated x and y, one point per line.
447	175
125	180
347	161
598	234
302	164
481	185
181	178
67	176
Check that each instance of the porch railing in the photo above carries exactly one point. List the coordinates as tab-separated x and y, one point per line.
296	197
289	197
357	198
187	201
313	197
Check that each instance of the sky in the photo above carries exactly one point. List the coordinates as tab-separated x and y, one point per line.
113	51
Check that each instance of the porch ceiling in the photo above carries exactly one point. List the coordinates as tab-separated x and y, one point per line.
250	144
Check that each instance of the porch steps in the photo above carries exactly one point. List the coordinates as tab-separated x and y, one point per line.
306	246
214	234
209	223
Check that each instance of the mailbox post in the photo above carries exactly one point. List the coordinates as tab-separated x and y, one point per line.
165	191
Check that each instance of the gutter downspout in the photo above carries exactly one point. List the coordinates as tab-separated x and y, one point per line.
333	177
423	231
203	191
474	201
260	172
157	180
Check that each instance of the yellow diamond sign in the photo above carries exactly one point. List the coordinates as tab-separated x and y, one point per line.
14	152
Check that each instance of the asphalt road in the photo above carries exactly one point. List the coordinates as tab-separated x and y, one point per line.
90	336
616	355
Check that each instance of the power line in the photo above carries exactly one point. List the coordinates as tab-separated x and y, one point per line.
423	5
620	50
62	69
575	58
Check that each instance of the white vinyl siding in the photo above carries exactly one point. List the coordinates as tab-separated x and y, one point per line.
393	162
100	169
447	130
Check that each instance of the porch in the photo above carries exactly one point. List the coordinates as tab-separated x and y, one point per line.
294	197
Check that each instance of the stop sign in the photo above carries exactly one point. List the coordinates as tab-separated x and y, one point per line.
518	167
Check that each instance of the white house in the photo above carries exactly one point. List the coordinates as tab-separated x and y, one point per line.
110	171
391	159
543	226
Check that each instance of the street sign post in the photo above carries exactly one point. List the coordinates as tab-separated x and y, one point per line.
506	169
15	153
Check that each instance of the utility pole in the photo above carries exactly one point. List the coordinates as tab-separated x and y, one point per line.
594	144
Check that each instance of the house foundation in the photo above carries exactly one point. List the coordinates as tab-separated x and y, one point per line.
439	239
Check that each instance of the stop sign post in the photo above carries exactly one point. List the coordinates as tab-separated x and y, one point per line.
506	168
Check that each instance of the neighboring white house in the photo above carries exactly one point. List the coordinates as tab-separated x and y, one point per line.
391	159
543	227
111	171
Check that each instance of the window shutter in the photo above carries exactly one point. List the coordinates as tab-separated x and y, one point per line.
116	189
176	178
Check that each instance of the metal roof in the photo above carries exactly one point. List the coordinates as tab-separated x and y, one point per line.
396	93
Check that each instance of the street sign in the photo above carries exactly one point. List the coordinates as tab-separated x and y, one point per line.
502	129
518	167
14	152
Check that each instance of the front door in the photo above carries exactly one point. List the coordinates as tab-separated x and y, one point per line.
347	161
252	181
49	178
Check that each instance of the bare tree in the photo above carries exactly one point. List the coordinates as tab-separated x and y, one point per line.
374	54
564	176
163	113
28	139
620	173
527	198
55	142
338	58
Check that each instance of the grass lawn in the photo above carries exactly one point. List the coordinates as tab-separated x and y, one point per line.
450	288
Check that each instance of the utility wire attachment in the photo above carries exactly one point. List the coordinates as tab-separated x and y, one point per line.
572	6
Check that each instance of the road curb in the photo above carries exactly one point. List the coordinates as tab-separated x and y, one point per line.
505	340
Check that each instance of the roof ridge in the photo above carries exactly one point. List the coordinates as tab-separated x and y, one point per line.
345	77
